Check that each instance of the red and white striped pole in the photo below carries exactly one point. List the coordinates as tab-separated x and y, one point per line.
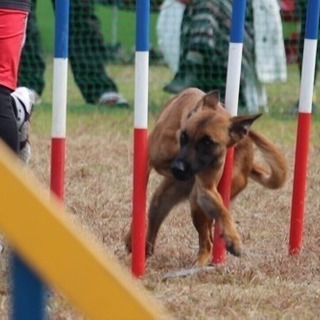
140	138
231	102
304	124
59	102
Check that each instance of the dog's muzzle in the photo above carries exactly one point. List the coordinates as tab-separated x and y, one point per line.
181	170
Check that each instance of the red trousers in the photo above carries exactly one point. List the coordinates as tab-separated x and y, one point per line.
12	30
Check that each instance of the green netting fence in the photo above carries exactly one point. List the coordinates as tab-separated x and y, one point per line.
188	42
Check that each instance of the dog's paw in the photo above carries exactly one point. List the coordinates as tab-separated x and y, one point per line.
232	240
127	242
233	245
128	247
149	249
234	249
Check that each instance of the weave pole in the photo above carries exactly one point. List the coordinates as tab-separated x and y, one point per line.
231	102
28	290
303	128
140	137
59	100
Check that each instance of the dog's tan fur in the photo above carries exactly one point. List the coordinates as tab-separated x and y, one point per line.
189	141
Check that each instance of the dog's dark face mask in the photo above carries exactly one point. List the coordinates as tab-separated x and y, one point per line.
204	141
205	137
196	155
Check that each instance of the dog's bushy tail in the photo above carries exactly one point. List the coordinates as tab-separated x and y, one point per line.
276	176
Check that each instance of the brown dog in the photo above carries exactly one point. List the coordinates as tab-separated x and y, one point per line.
188	147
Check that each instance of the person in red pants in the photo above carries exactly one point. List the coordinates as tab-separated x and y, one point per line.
15	110
15	103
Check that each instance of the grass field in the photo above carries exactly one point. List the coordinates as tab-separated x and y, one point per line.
265	283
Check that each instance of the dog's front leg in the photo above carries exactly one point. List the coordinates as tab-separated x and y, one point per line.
203	225
211	203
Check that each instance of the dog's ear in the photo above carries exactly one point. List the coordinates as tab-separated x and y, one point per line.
240	126
211	99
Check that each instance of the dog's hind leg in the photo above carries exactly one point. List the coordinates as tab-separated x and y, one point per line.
168	194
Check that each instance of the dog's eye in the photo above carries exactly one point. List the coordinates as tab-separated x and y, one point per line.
206	141
183	138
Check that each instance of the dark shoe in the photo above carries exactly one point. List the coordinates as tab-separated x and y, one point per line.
295	109
179	84
112	99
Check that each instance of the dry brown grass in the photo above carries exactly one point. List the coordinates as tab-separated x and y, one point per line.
265	283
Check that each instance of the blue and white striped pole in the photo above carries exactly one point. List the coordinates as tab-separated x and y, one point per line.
28	289
59	102
231	102
235	56
304	125
140	137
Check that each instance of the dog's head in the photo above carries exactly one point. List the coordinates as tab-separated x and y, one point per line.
205	136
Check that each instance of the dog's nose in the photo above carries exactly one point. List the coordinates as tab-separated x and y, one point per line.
180	170
178	166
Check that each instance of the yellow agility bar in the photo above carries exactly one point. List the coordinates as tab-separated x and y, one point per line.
40	231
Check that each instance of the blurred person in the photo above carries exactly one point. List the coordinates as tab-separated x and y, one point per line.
15	103
86	56
204	46
168	31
